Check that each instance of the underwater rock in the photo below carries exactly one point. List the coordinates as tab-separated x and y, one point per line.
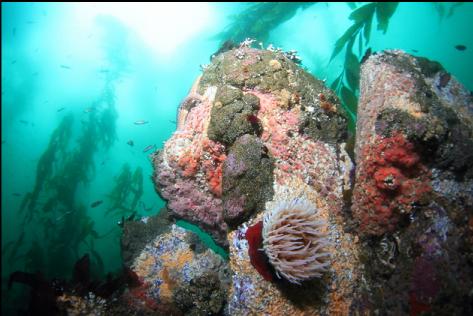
260	130
264	94
247	179
70	304
202	296
268	72
232	115
413	197
176	270
80	295
136	234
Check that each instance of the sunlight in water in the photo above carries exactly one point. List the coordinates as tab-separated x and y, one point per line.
163	26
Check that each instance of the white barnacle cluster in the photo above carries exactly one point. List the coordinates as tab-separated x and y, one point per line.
247	42
295	241
291	54
273	49
240	52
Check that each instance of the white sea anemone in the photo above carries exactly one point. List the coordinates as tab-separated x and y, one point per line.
294	240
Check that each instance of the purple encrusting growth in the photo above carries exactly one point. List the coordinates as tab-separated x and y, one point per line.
247	179
234	206
191	203
233	166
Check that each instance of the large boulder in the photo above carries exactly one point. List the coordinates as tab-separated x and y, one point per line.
179	275
266	132
413	198
272	119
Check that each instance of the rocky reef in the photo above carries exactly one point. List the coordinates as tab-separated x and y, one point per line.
260	162
413	197
256	129
179	275
260	140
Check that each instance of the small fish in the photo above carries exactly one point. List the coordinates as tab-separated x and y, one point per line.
23	122
30	22
132	216
87	110
35	74
102	71
173	122
59	110
96	203
130	142
141	122
16	194
62	216
460	47
13	62
149	147
415	50
121	222
14	31
65	67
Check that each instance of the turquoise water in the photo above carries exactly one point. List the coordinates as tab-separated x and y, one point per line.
93	72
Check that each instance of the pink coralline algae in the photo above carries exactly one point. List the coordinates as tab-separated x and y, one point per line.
296	154
192	203
390	181
214	156
188	172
